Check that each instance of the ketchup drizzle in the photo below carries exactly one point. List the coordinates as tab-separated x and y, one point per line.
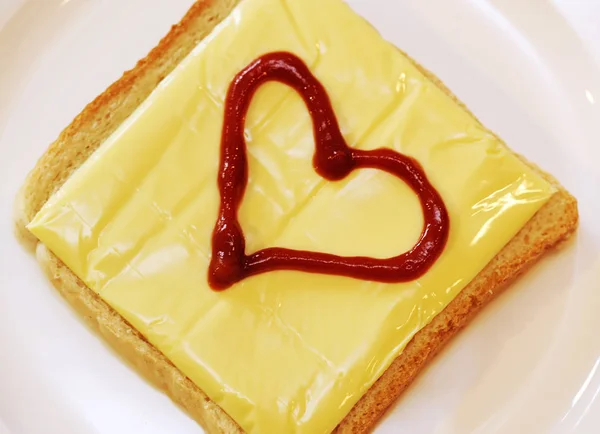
333	160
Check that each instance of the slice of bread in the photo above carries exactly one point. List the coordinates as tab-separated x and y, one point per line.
554	223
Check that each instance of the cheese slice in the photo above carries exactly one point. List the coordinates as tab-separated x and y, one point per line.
286	351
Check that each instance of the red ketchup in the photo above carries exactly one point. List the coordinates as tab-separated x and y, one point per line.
333	160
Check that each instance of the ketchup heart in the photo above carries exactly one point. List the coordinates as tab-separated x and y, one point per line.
333	160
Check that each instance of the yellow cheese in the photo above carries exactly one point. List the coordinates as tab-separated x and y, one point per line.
285	352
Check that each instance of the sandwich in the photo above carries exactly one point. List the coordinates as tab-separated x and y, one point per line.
279	218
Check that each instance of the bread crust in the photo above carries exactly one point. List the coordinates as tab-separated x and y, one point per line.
553	224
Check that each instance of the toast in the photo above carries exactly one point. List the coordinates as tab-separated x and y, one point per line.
553	223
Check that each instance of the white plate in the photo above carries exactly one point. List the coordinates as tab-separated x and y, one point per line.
528	69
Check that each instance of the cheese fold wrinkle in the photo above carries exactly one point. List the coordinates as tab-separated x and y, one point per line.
285	352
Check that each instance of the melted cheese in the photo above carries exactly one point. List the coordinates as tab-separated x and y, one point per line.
285	352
